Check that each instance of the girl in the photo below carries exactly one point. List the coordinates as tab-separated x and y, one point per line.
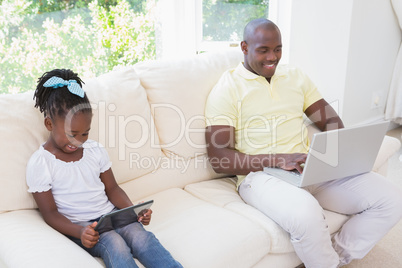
73	185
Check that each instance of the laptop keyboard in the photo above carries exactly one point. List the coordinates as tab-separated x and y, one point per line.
292	176
295	173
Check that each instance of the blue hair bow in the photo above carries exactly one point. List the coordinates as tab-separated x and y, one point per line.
72	85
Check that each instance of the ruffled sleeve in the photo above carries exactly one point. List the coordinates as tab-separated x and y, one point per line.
97	151
105	162
38	175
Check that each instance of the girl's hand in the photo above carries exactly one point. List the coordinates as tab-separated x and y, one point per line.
89	237
145	216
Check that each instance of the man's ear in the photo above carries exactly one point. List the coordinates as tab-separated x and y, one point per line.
243	46
48	123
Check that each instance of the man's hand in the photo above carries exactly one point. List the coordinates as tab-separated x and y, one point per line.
145	216
89	237
290	161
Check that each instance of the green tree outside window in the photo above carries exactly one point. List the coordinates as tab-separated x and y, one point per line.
94	37
89	37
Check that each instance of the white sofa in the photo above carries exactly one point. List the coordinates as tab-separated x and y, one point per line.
150	119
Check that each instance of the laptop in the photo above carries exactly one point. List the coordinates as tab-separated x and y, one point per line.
337	154
121	217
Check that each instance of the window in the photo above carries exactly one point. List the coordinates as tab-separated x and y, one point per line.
94	37
223	21
89	37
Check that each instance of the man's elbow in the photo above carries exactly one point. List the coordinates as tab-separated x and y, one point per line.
216	164
220	163
333	123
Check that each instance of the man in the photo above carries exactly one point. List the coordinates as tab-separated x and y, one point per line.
255	119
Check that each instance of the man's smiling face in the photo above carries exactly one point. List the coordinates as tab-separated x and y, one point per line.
263	51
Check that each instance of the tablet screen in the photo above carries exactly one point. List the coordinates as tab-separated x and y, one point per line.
121	217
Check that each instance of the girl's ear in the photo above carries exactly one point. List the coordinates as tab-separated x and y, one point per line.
48	123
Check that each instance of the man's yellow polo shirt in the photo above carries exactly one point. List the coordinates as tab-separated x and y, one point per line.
267	117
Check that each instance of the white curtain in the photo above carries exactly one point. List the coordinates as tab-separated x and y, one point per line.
176	28
393	109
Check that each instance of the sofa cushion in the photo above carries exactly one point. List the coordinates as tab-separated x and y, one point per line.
177	91
21	132
122	122
42	245
197	233
222	192
200	234
172	172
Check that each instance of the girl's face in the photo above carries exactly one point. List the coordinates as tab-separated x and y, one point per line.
67	136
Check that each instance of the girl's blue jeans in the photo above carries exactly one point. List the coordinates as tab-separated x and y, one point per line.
118	247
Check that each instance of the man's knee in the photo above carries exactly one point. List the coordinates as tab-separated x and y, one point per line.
389	198
393	205
307	217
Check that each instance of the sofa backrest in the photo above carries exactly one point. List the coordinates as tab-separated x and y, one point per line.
177	91
21	132
137	111
122	122
121	116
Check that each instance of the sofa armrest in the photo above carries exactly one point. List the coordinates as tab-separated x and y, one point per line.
389	147
27	241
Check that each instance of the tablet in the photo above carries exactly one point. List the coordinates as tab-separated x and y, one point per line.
121	217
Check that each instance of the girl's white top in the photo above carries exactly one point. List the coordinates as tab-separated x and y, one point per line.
76	186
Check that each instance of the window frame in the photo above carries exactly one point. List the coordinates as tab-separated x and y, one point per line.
203	46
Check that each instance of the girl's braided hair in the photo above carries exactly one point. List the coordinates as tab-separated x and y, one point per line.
59	101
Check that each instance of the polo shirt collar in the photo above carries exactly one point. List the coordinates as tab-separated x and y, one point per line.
246	74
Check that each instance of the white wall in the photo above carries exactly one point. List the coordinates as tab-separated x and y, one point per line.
348	48
374	43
